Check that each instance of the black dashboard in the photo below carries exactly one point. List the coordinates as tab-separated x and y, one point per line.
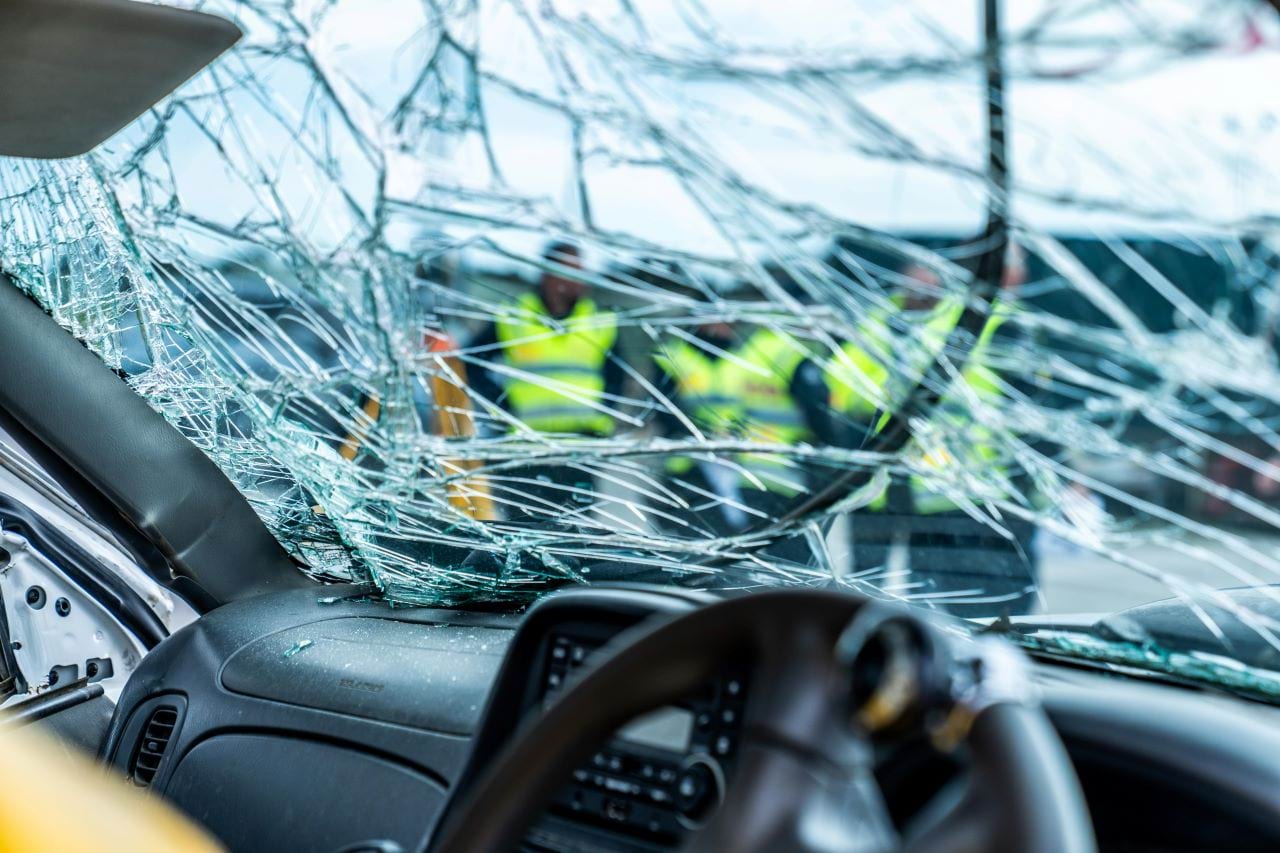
310	721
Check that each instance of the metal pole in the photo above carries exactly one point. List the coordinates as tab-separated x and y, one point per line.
997	230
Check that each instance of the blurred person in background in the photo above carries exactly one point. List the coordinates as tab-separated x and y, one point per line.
952	556
786	400
697	373
550	361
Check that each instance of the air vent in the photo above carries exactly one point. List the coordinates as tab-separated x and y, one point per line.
152	745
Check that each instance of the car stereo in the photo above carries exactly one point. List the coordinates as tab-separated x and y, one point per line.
664	772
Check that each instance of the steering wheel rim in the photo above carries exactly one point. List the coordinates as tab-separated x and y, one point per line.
793	636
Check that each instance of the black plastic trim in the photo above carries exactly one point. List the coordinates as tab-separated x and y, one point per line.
143	553
283	733
160	482
190	662
130	736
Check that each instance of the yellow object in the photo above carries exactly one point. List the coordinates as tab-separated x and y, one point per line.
979	378
709	387
63	803
369	412
452	418
857	373
564	360
770	414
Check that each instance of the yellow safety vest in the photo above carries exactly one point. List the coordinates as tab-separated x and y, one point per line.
770	415
709	387
979	451
856	372
565	362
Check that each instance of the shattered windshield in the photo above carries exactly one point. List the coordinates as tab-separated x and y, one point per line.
967	304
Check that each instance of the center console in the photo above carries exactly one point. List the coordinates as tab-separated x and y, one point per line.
662	773
658	777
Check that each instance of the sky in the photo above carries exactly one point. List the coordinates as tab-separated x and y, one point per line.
1193	137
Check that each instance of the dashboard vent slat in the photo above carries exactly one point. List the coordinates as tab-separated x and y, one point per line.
152	745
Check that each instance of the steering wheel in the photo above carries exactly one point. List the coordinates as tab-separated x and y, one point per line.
831	672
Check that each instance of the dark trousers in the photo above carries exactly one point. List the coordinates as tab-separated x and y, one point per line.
955	563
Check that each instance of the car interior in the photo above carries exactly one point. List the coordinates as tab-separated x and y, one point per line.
408	729
295	715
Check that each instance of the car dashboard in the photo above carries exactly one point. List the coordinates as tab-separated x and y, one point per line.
322	721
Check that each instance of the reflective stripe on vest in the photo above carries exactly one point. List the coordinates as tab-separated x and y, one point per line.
567	358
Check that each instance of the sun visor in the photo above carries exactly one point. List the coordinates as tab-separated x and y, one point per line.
73	72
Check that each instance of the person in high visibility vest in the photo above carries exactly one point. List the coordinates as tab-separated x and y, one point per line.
786	400
702	383
953	554
551	362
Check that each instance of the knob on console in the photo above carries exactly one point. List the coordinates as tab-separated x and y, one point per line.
699	790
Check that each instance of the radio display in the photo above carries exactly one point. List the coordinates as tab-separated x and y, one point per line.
666	729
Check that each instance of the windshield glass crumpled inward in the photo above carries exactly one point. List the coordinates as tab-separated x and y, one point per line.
471	299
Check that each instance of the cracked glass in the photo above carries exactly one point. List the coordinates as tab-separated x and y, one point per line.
968	305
